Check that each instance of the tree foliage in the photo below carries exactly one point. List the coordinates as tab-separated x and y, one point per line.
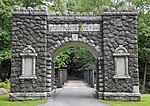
80	57
78	5
76	60
143	7
5	27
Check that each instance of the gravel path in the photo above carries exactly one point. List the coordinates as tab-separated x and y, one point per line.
74	93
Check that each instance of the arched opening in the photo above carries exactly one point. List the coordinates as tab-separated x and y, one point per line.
60	74
93	51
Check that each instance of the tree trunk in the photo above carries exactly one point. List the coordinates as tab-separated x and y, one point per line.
144	77
0	71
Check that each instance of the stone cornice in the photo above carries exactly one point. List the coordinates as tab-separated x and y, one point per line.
43	10
119	11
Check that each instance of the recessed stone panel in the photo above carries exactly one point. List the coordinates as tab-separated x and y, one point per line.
73	27
120	66
28	67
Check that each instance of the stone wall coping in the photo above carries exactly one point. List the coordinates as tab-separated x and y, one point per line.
119	11
43	10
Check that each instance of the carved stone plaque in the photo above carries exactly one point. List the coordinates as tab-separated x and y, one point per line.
90	27
73	27
63	27
28	67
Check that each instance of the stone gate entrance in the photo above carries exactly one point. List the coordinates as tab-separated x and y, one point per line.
38	36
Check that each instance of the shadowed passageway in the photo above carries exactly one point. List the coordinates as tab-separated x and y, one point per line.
74	93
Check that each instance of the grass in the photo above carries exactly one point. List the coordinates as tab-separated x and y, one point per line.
145	102
4	101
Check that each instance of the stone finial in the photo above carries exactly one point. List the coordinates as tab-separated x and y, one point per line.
133	8
113	9
91	13
106	9
65	13
51	13
16	8
84	13
36	8
58	13
78	13
44	8
29	8
71	13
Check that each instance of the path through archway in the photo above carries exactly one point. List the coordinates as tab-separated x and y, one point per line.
71	59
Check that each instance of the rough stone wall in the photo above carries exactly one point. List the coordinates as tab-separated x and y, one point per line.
29	28
119	28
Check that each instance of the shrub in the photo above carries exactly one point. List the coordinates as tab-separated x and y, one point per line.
5	84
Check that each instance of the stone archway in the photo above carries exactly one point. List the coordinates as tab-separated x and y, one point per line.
40	35
95	51
79	42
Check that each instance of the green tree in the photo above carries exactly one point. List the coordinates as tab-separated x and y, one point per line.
58	5
75	60
79	5
144	41
143	8
5	29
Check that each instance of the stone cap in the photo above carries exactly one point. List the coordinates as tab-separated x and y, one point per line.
119	11
42	10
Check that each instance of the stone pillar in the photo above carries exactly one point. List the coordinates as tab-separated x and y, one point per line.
29	27
119	28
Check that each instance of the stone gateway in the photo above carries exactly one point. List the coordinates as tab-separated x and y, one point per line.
38	36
